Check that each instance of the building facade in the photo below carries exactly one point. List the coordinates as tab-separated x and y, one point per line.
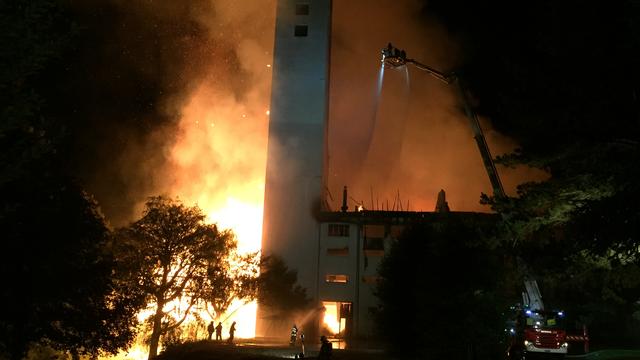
352	246
296	146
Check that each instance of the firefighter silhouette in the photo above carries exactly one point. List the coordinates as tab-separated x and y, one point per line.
232	331
210	330
325	348
219	331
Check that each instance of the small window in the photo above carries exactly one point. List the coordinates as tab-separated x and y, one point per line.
373	279
373	246
339	279
373	243
338	251
302	9
341	230
301	30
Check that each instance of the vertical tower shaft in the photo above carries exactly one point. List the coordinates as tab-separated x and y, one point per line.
296	147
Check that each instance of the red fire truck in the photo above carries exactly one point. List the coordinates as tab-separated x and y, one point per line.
538	333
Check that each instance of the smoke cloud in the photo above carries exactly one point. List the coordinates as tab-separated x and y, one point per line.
171	97
177	102
412	140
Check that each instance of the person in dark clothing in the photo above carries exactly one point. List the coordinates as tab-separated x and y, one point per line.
232	331
325	348
210	330
219	331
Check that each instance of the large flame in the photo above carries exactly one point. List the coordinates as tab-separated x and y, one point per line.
218	163
330	319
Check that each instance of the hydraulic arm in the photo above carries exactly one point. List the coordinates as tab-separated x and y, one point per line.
395	58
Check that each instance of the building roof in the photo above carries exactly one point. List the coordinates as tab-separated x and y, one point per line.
405	217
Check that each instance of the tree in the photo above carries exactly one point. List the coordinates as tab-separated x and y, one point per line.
442	288
166	256
277	288
230	277
56	268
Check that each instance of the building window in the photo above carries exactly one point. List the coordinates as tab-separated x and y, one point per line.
339	230
339	279
301	30
338	251
302	9
373	279
373	246
373	243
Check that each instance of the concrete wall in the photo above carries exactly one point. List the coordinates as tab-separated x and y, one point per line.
296	147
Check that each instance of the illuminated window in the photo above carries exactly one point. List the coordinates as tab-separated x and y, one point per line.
344	251
339	230
302	9
301	30
340	279
370	279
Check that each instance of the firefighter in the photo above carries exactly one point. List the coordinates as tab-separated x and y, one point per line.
232	331
294	335
219	331
325	349
210	330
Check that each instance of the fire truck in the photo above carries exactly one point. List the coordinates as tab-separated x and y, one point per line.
538	333
534	331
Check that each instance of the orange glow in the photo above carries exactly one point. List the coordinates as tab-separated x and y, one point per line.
330	319
219	162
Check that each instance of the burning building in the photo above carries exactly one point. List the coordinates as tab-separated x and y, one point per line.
335	253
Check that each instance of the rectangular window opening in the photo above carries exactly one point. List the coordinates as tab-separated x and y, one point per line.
373	279
301	30
344	251
338	279
341	230
373	243
302	9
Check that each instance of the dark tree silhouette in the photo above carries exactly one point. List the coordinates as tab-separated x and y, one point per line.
166	255
230	277
57	272
441	292
53	257
277	288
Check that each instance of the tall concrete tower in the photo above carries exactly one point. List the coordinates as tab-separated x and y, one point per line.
296	151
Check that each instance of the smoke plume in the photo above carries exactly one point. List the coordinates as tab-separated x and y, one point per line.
412	140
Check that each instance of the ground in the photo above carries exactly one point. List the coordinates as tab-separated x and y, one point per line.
255	350
245	350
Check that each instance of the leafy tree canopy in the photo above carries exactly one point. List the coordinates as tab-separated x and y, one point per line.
443	287
278	288
171	255
57	272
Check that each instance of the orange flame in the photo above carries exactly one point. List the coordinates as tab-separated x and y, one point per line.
218	163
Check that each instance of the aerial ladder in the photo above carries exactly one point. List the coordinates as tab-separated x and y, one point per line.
394	57
540	332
